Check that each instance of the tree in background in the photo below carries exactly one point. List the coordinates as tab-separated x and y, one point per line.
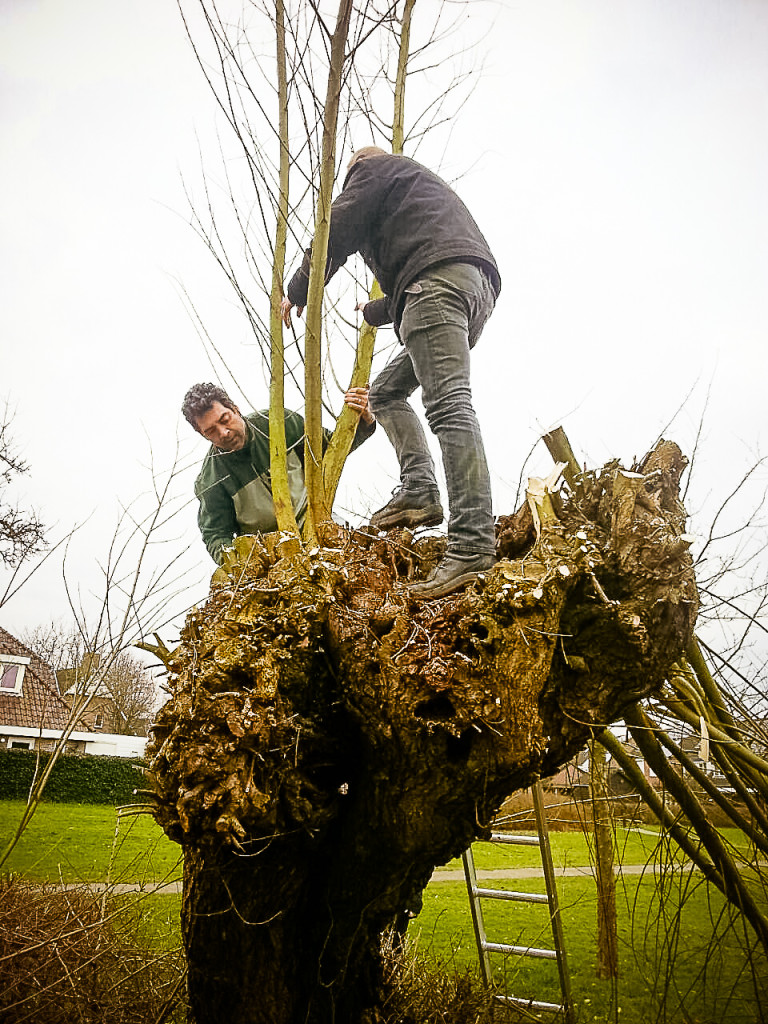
61	647
136	598
112	693
22	534
132	696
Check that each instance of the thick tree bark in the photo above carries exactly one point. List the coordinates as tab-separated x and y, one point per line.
329	740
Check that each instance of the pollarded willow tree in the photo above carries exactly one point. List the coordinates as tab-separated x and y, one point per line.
329	740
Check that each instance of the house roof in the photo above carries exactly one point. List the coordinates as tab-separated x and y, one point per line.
39	705
83	678
81	689
569	775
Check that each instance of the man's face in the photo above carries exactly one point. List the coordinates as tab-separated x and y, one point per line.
223	427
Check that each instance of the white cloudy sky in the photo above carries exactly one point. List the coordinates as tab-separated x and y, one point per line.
617	156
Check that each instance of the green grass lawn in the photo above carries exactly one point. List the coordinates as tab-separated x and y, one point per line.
710	982
572	849
569	849
87	843
680	920
77	842
83	842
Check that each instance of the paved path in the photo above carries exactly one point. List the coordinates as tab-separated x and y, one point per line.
457	874
439	875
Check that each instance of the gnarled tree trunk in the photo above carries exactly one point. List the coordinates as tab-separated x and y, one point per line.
330	741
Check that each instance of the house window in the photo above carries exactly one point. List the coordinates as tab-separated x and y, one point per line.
98	722
21	744
12	672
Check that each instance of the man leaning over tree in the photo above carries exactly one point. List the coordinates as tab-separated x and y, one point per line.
234	487
441	283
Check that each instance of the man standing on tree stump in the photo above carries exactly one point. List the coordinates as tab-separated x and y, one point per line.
440	284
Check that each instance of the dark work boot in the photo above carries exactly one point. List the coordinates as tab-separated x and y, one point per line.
452	573
409	509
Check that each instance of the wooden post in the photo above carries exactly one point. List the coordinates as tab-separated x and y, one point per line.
602	824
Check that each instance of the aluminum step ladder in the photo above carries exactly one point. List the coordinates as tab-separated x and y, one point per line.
485	948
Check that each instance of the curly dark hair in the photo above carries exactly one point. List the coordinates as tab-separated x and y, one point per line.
200	398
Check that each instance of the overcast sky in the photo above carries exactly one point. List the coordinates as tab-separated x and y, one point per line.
616	157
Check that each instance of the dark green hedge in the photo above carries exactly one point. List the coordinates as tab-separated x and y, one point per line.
91	779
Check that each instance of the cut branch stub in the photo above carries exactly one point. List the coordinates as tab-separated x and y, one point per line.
618	646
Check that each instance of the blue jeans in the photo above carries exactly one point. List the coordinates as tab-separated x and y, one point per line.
445	311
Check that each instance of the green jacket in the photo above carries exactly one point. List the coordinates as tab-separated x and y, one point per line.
234	488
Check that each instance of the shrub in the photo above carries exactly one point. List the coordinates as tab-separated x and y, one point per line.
92	779
62	960
421	990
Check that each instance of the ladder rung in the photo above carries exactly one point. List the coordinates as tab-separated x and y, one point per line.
509	894
503	947
530	1004
507	837
477	893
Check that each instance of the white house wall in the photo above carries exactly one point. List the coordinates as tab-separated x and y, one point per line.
95	742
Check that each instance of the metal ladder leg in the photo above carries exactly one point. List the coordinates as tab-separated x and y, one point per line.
477	893
554	904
